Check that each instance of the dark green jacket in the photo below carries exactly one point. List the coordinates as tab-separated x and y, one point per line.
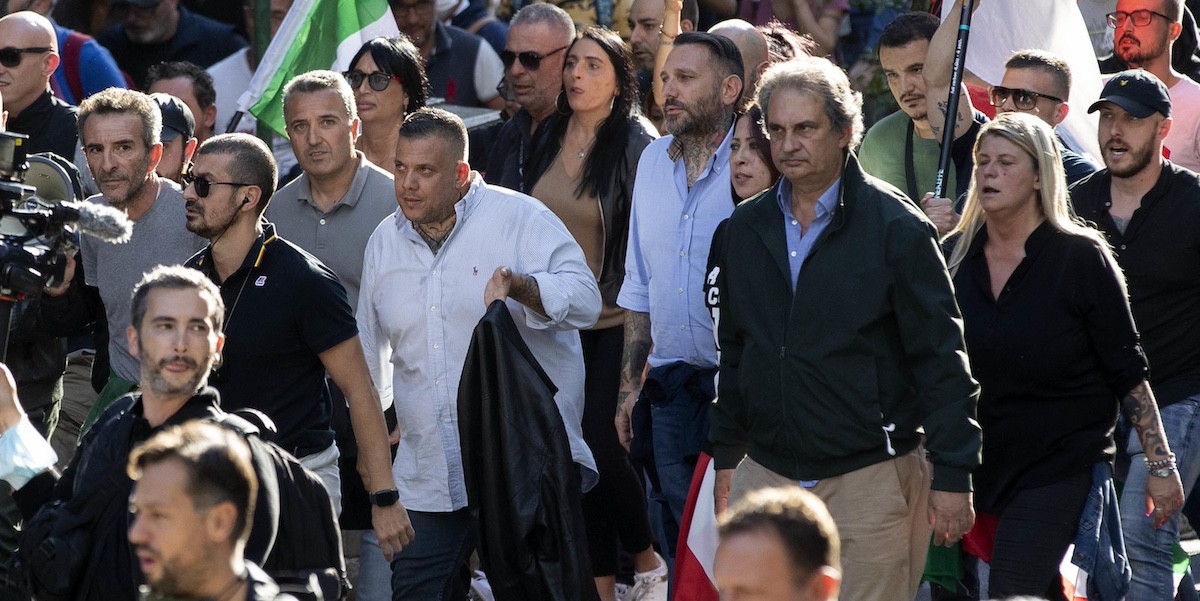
814	377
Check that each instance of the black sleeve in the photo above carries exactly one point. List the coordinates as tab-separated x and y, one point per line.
67	314
1104	303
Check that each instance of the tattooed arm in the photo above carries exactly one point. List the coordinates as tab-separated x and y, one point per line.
1161	493
522	288
633	361
939	64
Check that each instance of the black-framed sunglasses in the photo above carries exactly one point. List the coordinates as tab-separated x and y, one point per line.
11	57
1141	18
378	80
1023	99
530	60
204	185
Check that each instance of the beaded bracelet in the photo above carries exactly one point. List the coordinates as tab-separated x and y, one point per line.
1161	463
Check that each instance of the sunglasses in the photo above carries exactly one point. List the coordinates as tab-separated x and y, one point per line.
530	60
1141	18
1023	99
378	80
11	57
204	185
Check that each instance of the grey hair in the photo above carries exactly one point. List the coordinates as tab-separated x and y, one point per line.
548	14
317	81
117	101
822	79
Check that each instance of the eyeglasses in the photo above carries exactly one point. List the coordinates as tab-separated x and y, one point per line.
378	80
530	60
1023	99
11	57
1141	18
204	185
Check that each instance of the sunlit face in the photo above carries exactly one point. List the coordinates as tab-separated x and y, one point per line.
807	149
1137	46
428	179
321	132
589	78
903	67
755	566
536	89
183	89
378	107
645	19
211	216
417	20
750	174
117	156
175	156
168	531
691	91
1006	178
1128	144
176	342
1040	82
23	83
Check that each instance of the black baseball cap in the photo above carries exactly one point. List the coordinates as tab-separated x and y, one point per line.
177	118
1137	91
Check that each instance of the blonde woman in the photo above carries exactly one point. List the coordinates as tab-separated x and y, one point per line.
1054	347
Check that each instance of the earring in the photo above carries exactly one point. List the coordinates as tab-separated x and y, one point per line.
561	104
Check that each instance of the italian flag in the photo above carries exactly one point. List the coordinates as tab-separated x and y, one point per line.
315	34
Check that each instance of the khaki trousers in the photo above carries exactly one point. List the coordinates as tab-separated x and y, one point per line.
882	520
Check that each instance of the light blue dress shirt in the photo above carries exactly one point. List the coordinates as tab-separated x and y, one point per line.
799	242
670	233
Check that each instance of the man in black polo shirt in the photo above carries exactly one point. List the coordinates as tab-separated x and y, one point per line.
288	322
1149	209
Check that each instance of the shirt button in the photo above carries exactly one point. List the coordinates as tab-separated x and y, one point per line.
682	254
434	272
794	222
683	327
686	217
793	253
434	308
436	345
681	290
322	222
438	382
1122	247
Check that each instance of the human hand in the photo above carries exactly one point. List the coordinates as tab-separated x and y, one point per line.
672	17
10	407
394	436
721	491
941	212
951	515
498	286
623	419
392	528
68	275
1164	496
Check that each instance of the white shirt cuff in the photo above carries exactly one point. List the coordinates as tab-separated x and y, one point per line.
24	453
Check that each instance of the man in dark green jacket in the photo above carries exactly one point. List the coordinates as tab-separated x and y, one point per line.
840	340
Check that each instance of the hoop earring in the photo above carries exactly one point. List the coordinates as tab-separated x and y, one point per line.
560	103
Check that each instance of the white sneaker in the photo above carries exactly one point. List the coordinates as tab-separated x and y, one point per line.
652	585
623	591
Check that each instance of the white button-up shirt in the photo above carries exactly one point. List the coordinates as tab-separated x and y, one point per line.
417	311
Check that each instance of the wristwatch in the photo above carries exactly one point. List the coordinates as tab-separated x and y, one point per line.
1163	472
384	498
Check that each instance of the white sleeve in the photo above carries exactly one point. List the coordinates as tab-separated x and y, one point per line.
24	453
376	348
568	288
488	72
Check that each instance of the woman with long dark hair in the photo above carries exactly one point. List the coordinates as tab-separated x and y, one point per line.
389	82
586	160
752	169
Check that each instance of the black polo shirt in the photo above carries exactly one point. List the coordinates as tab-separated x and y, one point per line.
1160	254
283	308
1053	355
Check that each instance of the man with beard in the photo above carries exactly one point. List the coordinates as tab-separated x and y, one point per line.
681	192
179	143
121	134
538	30
645	23
1143	32
288	324
1146	206
462	68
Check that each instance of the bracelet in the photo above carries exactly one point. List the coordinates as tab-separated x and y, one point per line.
666	42
663	34
1161	463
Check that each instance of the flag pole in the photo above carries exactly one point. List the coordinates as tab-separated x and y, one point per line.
956	77
262	39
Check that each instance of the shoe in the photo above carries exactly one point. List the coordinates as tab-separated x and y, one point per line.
623	591
652	585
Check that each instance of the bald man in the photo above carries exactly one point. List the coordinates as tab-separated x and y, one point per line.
34	111
753	46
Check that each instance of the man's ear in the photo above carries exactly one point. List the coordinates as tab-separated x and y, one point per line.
686	25
1061	114
253	195
210	118
823	585
131	340
220	521
731	90
155	156
463	174
189	150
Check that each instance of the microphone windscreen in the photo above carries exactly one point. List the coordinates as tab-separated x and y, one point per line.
102	222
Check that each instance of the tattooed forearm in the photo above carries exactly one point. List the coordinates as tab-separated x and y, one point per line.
637	348
525	290
1142	410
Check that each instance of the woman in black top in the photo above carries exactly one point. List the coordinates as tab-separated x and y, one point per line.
388	78
1053	345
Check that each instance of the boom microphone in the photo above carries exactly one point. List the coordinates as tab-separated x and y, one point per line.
96	220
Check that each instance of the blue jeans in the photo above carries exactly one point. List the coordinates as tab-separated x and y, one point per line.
674	468
1149	549
433	566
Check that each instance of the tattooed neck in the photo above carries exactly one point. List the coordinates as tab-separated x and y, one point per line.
435	234
697	149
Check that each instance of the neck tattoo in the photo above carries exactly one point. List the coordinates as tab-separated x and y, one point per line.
435	235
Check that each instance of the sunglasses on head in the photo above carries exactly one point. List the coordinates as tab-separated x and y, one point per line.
204	185
11	57
1023	99
530	60
379	81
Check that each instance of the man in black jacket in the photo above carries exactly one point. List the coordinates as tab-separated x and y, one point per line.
34	111
840	339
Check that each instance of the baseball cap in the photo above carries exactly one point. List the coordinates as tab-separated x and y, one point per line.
1137	91
176	117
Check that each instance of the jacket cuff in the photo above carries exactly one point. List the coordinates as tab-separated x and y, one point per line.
31	497
951	479
727	457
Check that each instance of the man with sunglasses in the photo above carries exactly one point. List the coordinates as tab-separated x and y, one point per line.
462	68
28	58
149	32
1144	32
533	65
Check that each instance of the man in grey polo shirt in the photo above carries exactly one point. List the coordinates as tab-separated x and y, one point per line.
335	204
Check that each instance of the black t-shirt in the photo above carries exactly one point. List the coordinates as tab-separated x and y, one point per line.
283	308
1053	356
1160	254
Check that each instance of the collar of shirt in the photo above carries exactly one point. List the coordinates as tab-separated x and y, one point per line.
463	208
441	39
350	199
825	202
720	157
253	258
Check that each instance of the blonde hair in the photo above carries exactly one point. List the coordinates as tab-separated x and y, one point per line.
1039	142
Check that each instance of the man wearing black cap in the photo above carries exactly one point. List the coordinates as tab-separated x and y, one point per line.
149	32
1146	206
178	140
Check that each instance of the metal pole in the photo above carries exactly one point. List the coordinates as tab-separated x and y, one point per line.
956	76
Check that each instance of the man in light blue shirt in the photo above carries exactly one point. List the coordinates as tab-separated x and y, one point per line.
681	193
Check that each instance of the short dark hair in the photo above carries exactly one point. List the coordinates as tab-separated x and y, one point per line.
797	517
725	53
437	123
202	81
399	57
691	12
252	163
320	80
907	28
1047	63
218	463
118	101
176	277
784	44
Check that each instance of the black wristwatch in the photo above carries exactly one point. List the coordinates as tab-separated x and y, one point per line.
384	498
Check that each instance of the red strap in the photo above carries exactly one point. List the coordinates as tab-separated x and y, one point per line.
70	57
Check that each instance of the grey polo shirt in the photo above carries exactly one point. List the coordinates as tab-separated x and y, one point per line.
338	238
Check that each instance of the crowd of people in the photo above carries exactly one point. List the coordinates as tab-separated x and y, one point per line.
683	242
